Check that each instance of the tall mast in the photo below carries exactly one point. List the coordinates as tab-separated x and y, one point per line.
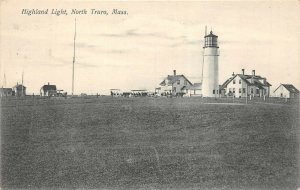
73	61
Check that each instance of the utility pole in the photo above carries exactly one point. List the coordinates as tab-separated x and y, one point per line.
73	61
22	83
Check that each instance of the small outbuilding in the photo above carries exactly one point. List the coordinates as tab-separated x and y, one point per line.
6	92
48	90
19	90
286	91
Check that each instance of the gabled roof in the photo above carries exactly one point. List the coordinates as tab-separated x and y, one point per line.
195	86
49	87
224	85
244	78
289	87
172	79
19	86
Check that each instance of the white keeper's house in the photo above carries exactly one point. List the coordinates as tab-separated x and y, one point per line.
286	91
173	85
242	85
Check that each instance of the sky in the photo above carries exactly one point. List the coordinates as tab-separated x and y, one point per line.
138	49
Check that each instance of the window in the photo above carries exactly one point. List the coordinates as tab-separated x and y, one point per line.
178	82
240	90
230	90
233	91
240	81
257	91
174	89
251	90
244	90
217	91
213	91
234	81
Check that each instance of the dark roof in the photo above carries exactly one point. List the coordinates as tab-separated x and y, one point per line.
211	35
224	85
19	86
290	88
258	84
244	78
49	87
172	79
5	89
195	86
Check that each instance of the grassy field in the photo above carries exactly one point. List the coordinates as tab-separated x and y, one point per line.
148	143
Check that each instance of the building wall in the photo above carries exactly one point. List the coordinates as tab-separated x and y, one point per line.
282	92
20	91
166	88
239	89
5	92
176	87
210	81
193	92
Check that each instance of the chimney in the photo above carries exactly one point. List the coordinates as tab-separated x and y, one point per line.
243	71
253	72
174	72
232	73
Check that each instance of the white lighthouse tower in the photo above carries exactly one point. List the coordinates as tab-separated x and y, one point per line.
210	68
